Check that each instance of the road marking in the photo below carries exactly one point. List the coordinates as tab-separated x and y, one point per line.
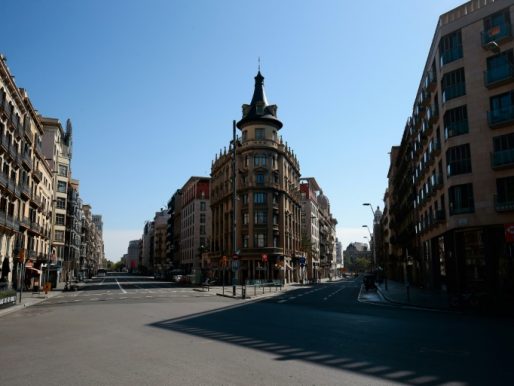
122	290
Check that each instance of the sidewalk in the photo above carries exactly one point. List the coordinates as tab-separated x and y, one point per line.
29	298
396	292
258	292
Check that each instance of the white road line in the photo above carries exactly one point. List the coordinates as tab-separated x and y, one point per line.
122	290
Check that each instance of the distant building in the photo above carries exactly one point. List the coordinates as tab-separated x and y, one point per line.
133	256
357	257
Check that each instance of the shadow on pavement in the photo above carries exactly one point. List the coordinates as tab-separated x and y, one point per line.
418	349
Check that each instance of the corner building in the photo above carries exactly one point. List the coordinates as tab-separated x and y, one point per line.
457	154
268	211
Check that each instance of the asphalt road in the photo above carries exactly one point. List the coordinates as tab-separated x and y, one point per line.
124	330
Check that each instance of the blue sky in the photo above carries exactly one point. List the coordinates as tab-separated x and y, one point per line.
152	88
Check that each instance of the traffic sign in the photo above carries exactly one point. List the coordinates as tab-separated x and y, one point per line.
264	258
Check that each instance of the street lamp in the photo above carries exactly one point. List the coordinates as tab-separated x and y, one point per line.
374	238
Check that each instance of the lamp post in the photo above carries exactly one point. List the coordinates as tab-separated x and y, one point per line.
371	238
374	238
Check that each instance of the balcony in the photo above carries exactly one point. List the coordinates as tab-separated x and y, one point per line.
454	91
502	159
433	113
499	75
36	199
424	97
438	183
503	204
436	150
5	143
25	191
35	227
431	80
24	223
500	117
439	216
497	34
450	55
456	128
3	180
37	175
4	109
27	160
461	210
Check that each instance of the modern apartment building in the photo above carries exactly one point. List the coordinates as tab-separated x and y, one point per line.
450	200
147	248
268	213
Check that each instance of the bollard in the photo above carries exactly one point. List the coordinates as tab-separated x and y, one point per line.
243	293
233	290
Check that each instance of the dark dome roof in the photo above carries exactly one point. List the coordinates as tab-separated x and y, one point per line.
259	109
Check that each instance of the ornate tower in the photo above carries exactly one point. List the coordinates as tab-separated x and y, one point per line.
267	206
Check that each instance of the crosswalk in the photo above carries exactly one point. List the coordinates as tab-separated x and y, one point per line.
129	295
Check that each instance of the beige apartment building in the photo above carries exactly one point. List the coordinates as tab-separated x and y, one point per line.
195	225
450	202
267	206
25	187
56	146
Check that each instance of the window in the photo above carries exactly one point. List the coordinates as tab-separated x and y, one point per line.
260	217
203	206
259	109
244	135
245	241
502	110
496	27
244	198
456	122
458	160
453	84
61	186
259	134
202	229
61	203
245	218
450	48
461	199
275	242
63	170
202	218
259	240
259	198
505	194
59	236
59	219
259	179
499	68
503	147
259	160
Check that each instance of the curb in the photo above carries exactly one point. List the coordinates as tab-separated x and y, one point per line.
411	305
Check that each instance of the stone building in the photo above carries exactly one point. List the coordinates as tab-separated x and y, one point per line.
265	236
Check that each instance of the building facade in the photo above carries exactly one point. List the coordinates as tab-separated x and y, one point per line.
450	198
25	187
265	236
195	225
